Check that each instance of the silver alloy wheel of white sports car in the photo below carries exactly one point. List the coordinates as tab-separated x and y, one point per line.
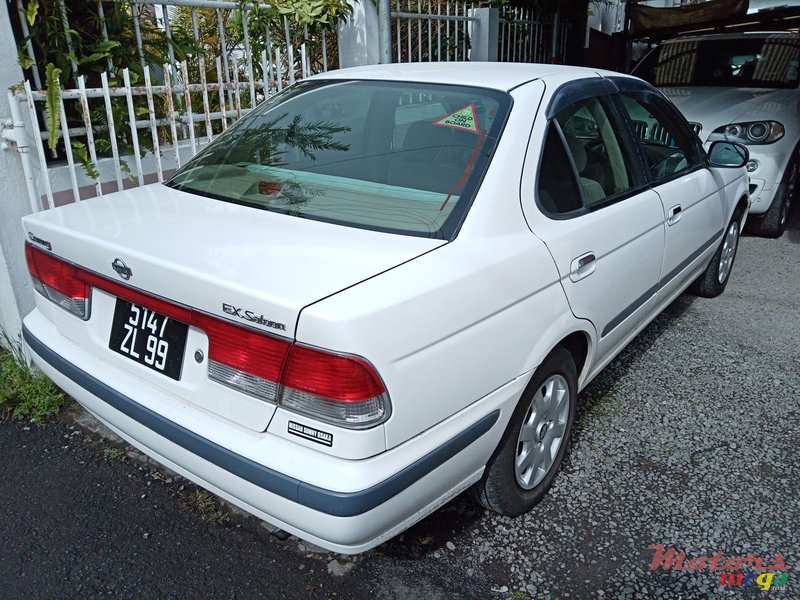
728	252
542	432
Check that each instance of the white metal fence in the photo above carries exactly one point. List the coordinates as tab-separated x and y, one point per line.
523	37
159	133
431	31
436	31
164	13
128	130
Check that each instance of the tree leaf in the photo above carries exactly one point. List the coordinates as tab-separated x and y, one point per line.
25	61
53	104
106	46
32	11
82	154
92	57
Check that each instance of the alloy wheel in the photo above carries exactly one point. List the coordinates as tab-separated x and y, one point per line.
728	252
542	432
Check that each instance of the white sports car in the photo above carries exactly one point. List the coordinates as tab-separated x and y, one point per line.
741	87
384	286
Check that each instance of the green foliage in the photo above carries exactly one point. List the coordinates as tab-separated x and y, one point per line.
84	43
24	394
114	453
264	141
313	12
82	49
126	170
81	154
567	8
207	505
25	61
32	11
17	88
99	51
53	103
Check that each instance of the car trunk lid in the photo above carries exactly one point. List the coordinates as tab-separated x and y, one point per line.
238	264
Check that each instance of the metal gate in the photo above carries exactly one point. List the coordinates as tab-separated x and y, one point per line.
436	31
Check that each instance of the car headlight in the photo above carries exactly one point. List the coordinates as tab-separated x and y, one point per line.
749	132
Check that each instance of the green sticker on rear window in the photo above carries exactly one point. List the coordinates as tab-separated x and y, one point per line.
463	118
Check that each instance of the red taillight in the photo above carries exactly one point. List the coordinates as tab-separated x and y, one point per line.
344	390
331	376
243	359
58	281
243	349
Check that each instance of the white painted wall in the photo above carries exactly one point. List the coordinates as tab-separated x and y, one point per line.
16	294
358	36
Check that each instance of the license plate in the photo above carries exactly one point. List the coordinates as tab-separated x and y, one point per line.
150	339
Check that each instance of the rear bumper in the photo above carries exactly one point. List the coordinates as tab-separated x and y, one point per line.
378	497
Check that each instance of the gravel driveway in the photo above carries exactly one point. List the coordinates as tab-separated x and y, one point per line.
688	440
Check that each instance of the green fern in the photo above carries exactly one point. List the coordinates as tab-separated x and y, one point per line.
126	169
81	153
53	105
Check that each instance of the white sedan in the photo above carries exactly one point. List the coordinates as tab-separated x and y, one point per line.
384	286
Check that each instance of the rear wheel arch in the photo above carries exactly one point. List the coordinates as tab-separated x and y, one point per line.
741	209
530	452
577	344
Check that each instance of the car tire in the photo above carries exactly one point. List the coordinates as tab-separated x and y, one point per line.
714	279
530	453
772	224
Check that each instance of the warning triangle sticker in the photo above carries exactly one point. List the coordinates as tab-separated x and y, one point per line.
464	119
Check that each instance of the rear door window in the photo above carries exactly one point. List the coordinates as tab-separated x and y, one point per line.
602	163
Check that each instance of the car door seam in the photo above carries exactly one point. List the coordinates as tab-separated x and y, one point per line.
662	283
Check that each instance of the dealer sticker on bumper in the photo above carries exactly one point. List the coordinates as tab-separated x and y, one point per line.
309	433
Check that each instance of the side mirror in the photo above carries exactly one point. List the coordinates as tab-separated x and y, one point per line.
728	154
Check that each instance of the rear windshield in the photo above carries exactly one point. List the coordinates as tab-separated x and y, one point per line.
762	62
399	157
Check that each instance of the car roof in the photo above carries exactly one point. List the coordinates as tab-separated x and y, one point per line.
500	76
732	36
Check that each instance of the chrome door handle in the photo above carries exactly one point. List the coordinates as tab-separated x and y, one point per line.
583	266
674	214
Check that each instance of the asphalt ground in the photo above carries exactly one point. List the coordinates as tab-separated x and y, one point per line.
688	440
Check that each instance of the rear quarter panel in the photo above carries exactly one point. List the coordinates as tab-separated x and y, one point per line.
448	328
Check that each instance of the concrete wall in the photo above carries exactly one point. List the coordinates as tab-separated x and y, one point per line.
358	36
16	294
